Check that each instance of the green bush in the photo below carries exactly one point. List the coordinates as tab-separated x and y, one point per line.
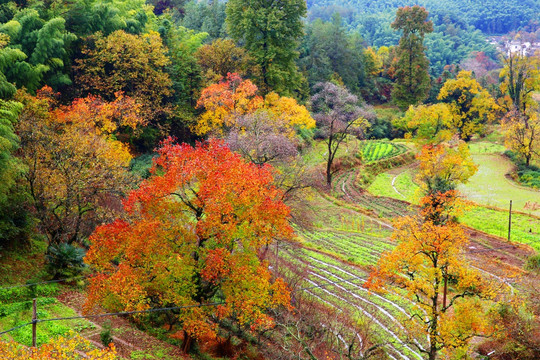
105	335
141	165
527	175
28	292
65	260
533	263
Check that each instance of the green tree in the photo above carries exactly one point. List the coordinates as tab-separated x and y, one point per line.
205	16
329	53
14	220
8	58
45	44
412	75
270	31
85	17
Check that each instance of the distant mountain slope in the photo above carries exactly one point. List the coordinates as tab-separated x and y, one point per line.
490	16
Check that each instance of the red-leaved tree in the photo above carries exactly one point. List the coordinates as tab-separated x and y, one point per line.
194	234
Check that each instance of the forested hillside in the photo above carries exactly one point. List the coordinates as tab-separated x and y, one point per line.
490	16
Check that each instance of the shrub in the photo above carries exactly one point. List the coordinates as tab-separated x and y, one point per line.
533	263
65	260
105	335
527	175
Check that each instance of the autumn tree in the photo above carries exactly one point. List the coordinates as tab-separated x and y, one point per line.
522	133
224	101
133	64
220	58
519	329
412	68
482	67
338	115
520	78
444	166
427	255
233	97
521	125
471	105
75	166
427	122
429	263
261	138
270	31
192	236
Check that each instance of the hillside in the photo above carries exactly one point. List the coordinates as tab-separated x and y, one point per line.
490	16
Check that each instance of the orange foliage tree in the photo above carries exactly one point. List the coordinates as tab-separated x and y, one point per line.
442	167
193	235
75	165
105	117
233	97
71	347
428	258
428	263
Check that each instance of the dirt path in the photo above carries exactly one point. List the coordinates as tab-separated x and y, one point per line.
126	338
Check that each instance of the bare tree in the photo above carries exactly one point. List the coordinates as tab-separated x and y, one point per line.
261	138
337	115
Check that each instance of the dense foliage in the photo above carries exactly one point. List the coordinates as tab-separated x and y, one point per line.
490	16
193	234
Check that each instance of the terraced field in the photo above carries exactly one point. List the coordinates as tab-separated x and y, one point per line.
339	286
353	228
376	150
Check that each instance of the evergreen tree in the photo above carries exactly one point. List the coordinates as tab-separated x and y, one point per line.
270	31
412	76
14	219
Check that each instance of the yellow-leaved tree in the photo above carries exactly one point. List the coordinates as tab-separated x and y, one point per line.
521	125
225	102
470	104
428	263
427	122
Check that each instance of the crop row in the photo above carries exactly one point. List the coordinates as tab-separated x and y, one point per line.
340	286
357	248
377	150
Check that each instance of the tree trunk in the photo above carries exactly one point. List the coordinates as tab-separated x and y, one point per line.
330	160
188	342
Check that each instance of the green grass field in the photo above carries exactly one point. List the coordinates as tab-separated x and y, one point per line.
525	229
483	147
490	187
405	188
377	150
17	313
